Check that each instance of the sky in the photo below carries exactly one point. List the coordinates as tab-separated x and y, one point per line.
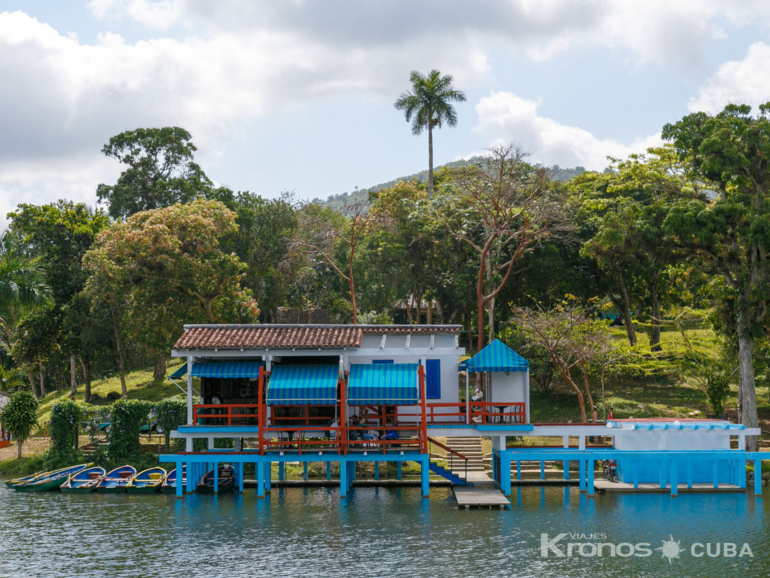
298	95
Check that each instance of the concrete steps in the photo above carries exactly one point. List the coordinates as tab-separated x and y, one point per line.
470	447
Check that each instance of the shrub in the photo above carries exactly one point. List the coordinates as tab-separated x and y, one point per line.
128	417
19	416
64	426
170	414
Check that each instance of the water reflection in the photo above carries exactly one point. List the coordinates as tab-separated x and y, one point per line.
373	532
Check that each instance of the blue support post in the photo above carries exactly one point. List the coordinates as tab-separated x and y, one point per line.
191	471
329	471
268	475
582	475
376	471
662	473
281	471
241	475
518	470
715	473
689	474
566	469
216	478
260	467
542	469
304	471
674	479
179	481
505	474
424	477
636	474
757	477
398	471
590	488
742	477
344	478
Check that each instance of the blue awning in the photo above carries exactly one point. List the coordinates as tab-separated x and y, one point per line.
303	385
383	384
496	357
180	372
227	369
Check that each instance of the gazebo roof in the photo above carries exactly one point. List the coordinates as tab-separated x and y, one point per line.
496	356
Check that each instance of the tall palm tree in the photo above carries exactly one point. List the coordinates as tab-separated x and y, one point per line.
427	105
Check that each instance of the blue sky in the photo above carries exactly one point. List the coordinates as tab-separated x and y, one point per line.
298	95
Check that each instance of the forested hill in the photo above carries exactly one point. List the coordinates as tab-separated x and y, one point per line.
362	195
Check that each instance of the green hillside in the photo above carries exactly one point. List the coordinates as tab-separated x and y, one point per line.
362	195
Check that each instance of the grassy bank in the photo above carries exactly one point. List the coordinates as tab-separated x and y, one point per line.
139	383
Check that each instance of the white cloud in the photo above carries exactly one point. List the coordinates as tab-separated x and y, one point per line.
744	81
506	116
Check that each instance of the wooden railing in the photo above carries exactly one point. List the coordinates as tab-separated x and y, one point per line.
502	413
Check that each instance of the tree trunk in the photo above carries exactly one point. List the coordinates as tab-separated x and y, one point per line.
121	355
429	312
587	387
626	310
31	381
417	299
42	378
73	378
59	379
409	316
655	331
490	308
87	378
748	409
430	161
18	448
160	367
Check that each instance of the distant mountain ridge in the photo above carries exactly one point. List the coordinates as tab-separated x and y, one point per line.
362	195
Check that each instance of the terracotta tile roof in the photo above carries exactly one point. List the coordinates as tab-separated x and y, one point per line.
292	336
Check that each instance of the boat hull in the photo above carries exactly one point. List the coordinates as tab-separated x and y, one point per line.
78	489
226	487
143	489
40	487
112	490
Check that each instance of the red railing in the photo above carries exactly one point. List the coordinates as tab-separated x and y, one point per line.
361	436
223	414
488	413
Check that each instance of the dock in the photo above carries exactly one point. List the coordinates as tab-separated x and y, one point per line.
484	493
605	486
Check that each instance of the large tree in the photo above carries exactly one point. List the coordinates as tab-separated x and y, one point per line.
160	171
503	208
164	267
428	106
730	154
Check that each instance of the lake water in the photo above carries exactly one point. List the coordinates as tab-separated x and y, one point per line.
376	532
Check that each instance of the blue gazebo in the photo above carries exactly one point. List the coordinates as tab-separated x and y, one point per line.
496	357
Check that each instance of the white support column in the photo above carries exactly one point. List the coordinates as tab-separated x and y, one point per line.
581	442
526	396
210	443
190	363
467	399
565	441
741	442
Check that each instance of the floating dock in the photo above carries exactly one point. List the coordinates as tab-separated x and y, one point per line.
605	486
484	493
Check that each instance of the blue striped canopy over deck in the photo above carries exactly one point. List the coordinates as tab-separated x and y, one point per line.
383	384
496	357
303	385
179	372
227	369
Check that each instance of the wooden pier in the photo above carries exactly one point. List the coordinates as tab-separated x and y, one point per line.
605	486
484	493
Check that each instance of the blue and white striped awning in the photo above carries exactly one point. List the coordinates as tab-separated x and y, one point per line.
383	384
303	385
496	357
227	369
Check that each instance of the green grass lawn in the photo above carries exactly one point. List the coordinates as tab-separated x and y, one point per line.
139	383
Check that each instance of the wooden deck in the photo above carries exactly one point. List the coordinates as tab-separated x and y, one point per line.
603	486
484	493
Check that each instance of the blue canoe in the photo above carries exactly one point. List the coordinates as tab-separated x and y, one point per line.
116	480
85	481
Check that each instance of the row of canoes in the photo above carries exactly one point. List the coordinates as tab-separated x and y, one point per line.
87	478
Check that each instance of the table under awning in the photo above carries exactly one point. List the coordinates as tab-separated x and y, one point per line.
303	385
227	368
383	384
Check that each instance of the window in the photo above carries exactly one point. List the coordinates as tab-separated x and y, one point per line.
432	379
382	361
